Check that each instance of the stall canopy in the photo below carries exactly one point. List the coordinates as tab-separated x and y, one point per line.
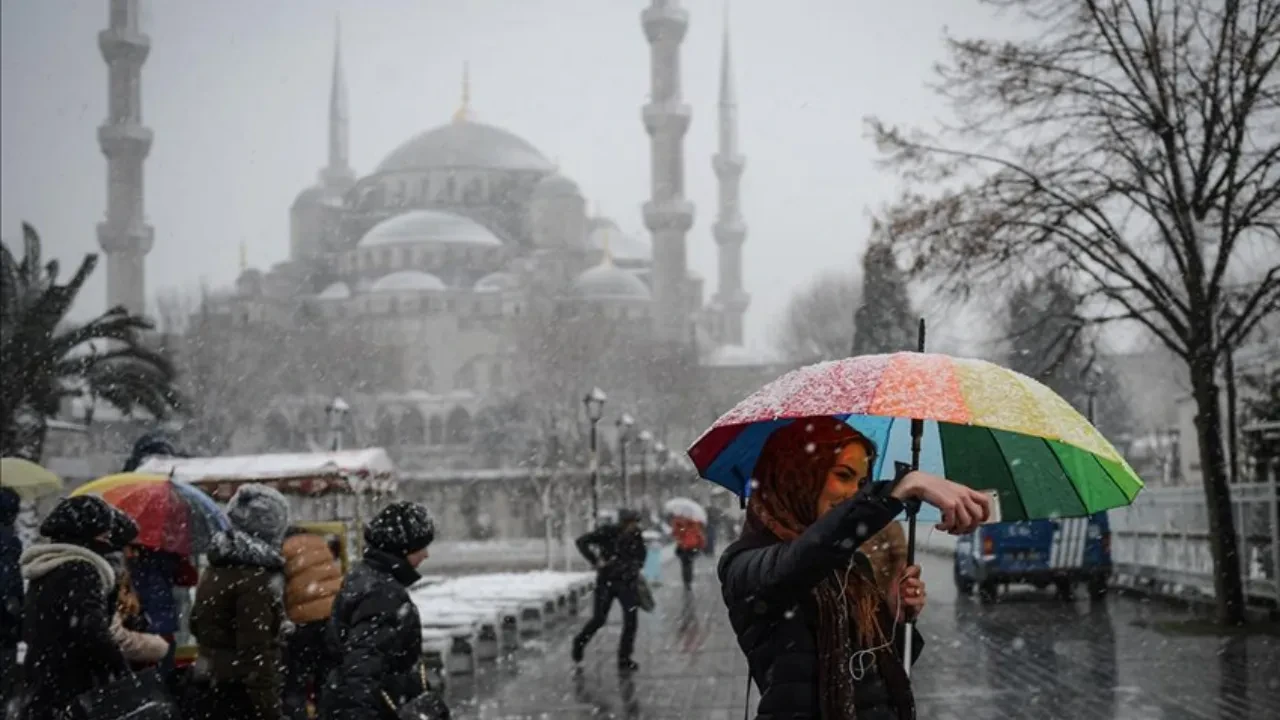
367	471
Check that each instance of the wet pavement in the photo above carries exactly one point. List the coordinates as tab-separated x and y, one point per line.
1027	656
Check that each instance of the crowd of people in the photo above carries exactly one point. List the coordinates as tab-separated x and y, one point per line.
280	631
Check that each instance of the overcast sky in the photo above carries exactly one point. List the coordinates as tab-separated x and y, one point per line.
236	92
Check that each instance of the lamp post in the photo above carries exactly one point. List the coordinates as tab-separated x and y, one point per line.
594	403
336	411
662	455
646	439
625	423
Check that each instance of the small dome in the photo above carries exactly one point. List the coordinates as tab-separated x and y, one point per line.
555	185
429	226
466	144
336	291
407	281
313	195
607	281
605	234
496	282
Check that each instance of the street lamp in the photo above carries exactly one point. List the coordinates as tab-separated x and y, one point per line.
594	403
646	438
625	423
336	411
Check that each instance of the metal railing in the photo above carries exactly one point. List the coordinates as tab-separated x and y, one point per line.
1163	537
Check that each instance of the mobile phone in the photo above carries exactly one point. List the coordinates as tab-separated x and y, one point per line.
994	516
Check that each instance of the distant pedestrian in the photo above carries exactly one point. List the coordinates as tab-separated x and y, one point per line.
690	540
70	604
11	597
312	580
617	553
374	630
238	617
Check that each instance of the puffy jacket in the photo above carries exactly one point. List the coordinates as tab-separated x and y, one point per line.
622	553
376	635
688	534
312	578
767	587
238	616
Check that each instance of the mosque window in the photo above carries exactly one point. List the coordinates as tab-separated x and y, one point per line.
385	431
465	379
413	429
435	432
458	427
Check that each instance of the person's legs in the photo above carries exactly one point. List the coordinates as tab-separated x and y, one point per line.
9	688
298	662
686	568
630	602
604	594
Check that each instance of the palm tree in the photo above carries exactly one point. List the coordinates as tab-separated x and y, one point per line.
47	359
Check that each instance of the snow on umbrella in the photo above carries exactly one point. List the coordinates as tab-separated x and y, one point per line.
171	516
685	508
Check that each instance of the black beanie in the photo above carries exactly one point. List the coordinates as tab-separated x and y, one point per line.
400	529
79	520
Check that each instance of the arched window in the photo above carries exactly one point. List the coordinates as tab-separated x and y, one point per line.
465	379
436	434
458	427
413	430
276	432
385	431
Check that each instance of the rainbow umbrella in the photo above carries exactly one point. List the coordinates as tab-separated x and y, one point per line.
983	425
171	516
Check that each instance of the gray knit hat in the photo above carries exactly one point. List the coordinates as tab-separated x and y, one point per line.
259	511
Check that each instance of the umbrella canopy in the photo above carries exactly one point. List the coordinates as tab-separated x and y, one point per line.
685	508
171	516
984	426
28	479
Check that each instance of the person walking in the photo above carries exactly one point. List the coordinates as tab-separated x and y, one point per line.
70	603
312	581
690	541
238	616
11	597
374	630
822	640
617	553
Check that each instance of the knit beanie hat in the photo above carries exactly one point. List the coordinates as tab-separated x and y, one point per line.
81	519
400	529
259	511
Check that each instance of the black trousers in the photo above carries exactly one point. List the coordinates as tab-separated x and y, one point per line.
306	665
10	673
686	565
606	592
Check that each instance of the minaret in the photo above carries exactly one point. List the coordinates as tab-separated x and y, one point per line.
729	230
463	113
337	177
125	236
667	215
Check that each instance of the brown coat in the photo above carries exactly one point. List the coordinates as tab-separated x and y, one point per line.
313	578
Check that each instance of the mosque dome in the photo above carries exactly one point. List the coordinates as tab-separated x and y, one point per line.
313	195
605	235
608	281
556	185
465	143
336	291
496	282
407	281
429	226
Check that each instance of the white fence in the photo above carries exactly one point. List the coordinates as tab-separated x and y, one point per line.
1163	537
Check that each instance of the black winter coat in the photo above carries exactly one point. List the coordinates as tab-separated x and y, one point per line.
622	553
376	636
11	593
66	626
767	588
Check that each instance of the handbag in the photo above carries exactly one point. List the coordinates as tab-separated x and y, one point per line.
644	595
426	705
131	696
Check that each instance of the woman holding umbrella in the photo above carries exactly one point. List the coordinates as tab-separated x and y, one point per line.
822	640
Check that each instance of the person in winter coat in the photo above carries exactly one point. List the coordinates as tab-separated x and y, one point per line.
156	575
11	596
617	553
238	615
690	541
70	604
312	580
374	630
130	626
821	638
152	444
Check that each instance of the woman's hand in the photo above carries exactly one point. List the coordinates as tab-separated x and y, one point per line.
963	509
911	594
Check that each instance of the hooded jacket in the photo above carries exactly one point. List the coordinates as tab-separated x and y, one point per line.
67	626
312	577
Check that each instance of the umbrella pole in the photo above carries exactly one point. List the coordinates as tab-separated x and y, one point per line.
912	508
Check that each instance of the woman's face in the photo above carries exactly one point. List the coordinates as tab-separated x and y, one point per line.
850	471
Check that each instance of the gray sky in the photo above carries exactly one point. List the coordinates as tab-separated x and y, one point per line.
236	92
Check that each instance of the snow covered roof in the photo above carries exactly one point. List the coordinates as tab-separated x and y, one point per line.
336	291
429	226
607	281
365	463
739	356
496	282
407	281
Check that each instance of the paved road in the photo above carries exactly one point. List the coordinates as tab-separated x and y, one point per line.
1028	656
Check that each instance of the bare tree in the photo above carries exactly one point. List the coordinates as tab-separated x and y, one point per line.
818	323
1134	144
